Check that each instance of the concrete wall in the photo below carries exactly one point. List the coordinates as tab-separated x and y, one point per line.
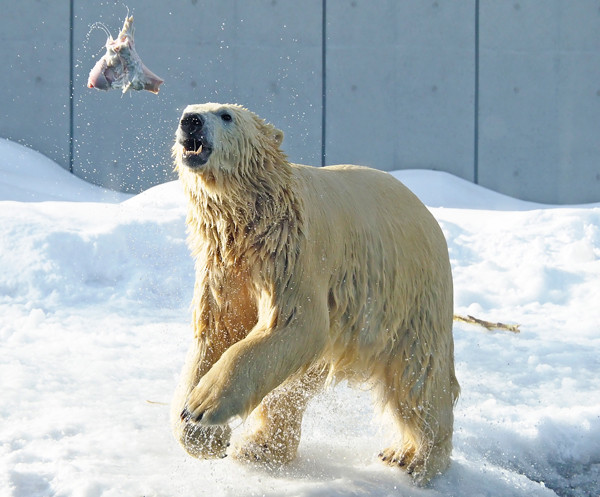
540	99
400	84
503	93
34	80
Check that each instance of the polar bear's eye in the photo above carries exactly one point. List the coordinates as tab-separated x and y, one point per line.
226	117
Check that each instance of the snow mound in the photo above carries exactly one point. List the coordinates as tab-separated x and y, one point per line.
94	325
441	189
28	176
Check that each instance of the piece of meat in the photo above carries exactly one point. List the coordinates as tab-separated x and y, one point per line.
121	66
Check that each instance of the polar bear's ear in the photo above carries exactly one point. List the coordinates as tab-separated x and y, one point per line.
277	136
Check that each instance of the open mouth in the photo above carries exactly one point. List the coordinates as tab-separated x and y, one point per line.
195	152
192	146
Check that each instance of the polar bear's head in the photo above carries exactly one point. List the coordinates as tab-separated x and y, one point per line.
222	139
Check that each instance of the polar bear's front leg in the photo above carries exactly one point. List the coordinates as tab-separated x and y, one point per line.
277	421
254	366
203	442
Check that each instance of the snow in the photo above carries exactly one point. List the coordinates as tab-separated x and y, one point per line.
29	176
94	324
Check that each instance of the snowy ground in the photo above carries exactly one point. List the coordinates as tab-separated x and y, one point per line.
94	293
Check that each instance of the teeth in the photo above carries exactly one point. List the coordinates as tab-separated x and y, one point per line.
193	152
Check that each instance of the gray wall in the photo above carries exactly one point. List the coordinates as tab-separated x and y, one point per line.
504	93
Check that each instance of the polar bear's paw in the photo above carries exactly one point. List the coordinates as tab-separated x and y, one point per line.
422	466
273	452
404	459
205	442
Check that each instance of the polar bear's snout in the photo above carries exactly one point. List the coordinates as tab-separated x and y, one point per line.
192	137
190	123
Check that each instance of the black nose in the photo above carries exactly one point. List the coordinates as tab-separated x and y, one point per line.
191	123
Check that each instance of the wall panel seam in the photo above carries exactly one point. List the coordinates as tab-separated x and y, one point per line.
71	85
324	84
476	100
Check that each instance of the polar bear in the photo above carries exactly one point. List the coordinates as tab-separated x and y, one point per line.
305	276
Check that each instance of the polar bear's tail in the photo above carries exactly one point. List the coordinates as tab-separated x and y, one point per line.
487	324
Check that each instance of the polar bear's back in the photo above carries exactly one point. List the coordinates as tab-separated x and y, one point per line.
384	258
360	198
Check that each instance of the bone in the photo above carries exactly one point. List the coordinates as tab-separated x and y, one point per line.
121	67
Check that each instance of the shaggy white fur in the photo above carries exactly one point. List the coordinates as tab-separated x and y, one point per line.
306	274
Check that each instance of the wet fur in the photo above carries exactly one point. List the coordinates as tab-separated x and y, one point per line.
306	274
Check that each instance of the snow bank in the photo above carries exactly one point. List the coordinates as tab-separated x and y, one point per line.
29	176
94	298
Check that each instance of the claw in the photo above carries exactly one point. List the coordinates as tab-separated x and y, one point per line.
186	415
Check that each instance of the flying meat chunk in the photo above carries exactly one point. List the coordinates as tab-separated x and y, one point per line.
121	66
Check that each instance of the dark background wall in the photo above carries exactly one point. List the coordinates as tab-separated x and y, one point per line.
503	93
